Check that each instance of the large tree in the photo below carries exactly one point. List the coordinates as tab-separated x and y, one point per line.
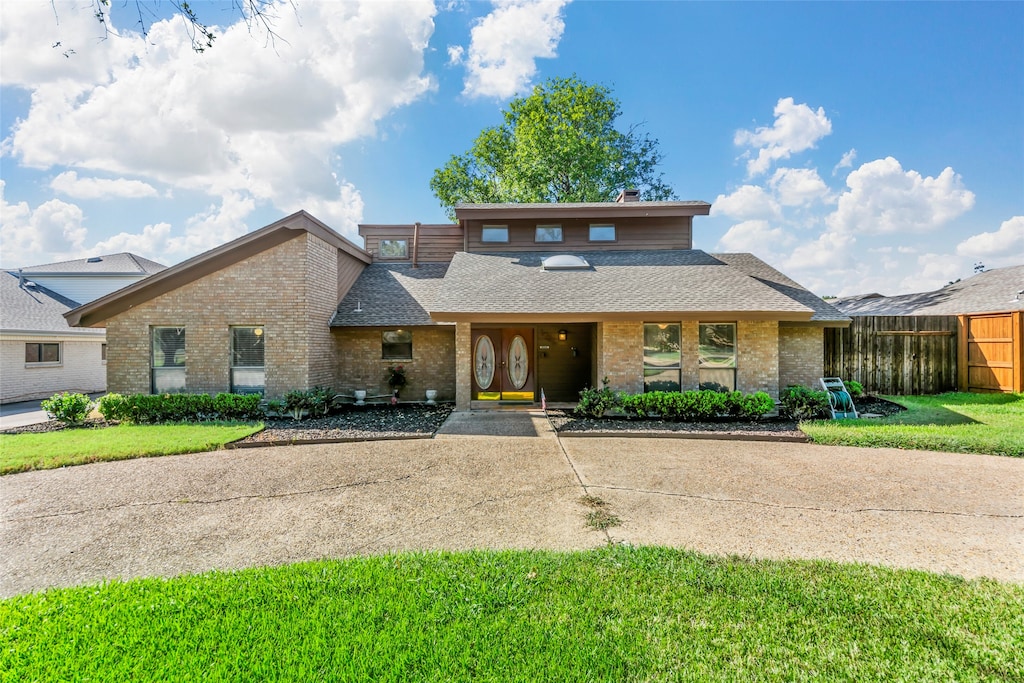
559	144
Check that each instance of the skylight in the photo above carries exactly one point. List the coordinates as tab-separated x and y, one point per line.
565	262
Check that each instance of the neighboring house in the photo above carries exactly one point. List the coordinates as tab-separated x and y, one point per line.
40	354
512	300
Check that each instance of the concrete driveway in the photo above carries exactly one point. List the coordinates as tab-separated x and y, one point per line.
469	488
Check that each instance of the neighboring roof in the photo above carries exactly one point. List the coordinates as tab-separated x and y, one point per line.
110	264
28	309
623	285
582	210
208	262
758	269
391	295
988	292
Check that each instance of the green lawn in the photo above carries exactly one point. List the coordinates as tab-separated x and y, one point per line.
964	423
613	614
21	452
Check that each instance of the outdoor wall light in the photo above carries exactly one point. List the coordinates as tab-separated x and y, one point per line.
562	335
258	331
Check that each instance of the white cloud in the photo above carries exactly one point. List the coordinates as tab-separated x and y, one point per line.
932	272
53	228
846	161
746	203
798	186
883	198
831	250
757	237
505	45
797	128
240	118
455	54
100	188
1004	247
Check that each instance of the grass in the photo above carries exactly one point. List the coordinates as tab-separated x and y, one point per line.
22	452
613	614
962	423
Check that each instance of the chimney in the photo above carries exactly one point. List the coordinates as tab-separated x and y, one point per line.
628	196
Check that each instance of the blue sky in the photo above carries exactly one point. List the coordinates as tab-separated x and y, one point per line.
855	146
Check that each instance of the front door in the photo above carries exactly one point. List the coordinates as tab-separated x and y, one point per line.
503	364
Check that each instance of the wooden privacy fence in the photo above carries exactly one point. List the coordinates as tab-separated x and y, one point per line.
894	354
992	352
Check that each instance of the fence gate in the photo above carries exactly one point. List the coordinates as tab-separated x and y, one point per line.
991	357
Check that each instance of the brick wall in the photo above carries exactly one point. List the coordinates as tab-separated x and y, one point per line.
757	356
290	289
463	365
620	355
360	365
81	369
688	340
801	356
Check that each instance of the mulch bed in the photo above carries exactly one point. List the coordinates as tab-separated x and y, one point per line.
55	426
368	422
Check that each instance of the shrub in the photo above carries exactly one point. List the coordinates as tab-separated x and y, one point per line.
756	405
802	403
320	400
71	409
594	402
696	405
297	402
153	409
855	388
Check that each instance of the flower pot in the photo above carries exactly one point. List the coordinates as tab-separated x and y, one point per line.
360	395
431	397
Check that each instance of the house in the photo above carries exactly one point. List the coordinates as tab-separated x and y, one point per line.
40	354
512	300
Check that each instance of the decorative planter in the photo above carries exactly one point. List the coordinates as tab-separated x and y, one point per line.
431	397
360	395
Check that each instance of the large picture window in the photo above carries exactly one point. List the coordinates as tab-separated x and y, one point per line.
396	345
716	356
168	360
42	352
248	375
662	357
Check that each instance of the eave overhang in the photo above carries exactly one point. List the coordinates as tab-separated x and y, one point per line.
580	210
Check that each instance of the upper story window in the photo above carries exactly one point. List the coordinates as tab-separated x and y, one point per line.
41	352
494	233
602	233
548	233
394	249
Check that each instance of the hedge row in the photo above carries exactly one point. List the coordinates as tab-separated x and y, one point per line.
675	405
151	409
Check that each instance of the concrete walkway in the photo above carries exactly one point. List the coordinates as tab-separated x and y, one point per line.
488	482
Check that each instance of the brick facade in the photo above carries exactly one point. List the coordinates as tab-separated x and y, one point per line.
801	356
463	365
290	289
620	355
757	357
360	365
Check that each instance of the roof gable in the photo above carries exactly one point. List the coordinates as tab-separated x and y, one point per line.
34	308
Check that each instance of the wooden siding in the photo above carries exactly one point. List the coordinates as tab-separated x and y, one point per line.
634	233
437	243
348	271
991	356
900	355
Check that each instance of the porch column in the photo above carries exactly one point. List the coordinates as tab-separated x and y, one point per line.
463	365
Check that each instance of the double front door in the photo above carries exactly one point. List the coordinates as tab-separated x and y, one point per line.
503	364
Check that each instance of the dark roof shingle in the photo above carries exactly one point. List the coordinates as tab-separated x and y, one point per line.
25	308
988	292
391	295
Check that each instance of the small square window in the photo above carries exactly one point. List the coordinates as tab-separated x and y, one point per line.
394	249
602	233
40	352
548	233
396	345
494	233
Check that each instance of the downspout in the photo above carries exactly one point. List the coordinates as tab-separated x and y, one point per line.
415	244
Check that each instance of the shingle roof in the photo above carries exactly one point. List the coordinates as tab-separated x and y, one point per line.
123	263
758	269
620	282
991	291
391	295
34	309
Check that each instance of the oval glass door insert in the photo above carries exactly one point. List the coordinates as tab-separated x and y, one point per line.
518	363
483	361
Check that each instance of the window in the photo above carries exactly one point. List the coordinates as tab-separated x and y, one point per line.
662	357
602	233
247	353
494	233
548	233
396	345
103	352
168	360
40	352
394	249
716	356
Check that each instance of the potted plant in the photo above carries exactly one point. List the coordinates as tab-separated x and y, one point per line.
431	397
396	378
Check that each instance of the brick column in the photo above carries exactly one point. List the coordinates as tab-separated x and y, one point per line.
463	365
620	355
689	339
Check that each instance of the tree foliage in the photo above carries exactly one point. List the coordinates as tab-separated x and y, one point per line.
559	144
